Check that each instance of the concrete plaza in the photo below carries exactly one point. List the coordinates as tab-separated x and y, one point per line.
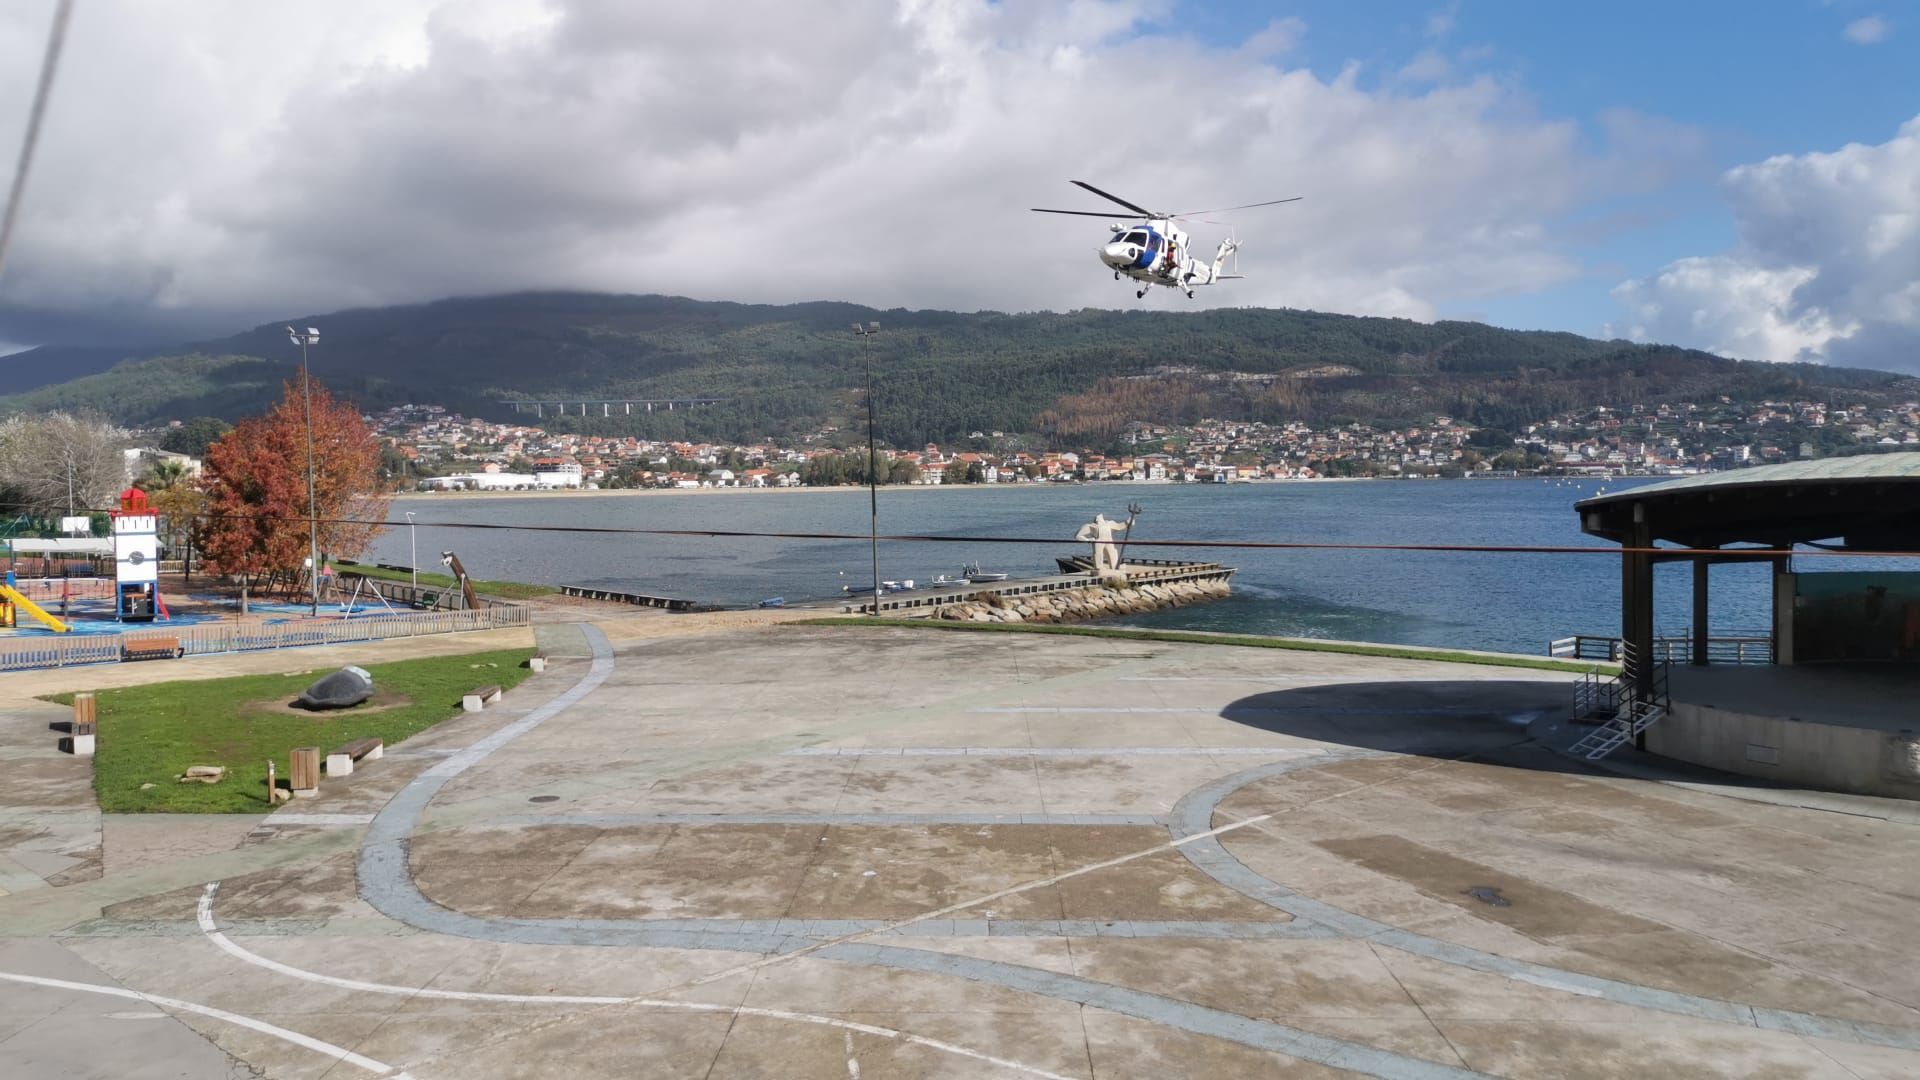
796	851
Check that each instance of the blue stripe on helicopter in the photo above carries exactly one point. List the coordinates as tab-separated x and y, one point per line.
1148	251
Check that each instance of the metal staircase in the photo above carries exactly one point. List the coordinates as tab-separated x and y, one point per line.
1632	719
1627	716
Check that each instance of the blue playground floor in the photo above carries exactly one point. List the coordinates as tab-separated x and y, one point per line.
95	616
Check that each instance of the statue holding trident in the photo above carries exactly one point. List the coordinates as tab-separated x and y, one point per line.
1106	553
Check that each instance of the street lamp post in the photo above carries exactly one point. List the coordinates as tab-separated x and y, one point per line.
867	334
310	336
413	557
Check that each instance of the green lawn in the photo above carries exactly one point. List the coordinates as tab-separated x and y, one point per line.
150	734
1397	652
505	590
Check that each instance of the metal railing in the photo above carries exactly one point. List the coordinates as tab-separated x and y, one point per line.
398	592
65	650
1599	693
1755	647
1596	695
45	590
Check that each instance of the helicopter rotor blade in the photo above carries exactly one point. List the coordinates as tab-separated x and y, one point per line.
1225	209
1108	214
1141	210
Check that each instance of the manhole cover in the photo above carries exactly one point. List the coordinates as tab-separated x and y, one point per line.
1489	896
556	798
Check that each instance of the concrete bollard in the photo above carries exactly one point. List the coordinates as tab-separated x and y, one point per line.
303	771
84	718
536	664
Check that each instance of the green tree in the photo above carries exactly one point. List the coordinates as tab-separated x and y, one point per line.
193	436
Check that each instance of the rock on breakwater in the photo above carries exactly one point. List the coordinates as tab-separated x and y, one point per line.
1092	602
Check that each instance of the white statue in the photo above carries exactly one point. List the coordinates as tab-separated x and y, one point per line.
1099	532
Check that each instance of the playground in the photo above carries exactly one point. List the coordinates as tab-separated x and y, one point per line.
130	609
47	606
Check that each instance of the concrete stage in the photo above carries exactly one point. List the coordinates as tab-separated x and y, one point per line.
1837	727
826	853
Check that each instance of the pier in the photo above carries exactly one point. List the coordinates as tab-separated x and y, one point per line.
927	603
619	596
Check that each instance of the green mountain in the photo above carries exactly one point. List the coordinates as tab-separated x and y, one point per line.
789	369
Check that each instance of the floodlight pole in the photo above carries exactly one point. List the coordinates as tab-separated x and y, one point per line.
303	339
413	557
866	334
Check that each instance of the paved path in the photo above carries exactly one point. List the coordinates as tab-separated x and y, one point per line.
813	852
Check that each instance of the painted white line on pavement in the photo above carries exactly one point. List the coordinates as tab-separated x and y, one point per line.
337	820
1049	751
338	1053
226	944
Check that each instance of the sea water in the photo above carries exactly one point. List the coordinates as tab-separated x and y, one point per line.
1500	601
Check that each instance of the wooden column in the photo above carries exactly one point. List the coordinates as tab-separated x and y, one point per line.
1701	567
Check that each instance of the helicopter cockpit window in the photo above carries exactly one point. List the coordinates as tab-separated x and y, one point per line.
1136	238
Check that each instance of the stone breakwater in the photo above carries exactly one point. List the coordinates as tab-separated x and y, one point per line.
1092	602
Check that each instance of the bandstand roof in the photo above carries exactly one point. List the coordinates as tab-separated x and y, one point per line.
1869	502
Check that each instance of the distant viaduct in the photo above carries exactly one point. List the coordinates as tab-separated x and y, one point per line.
626	405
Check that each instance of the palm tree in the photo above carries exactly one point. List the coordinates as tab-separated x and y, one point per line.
175	498
165	473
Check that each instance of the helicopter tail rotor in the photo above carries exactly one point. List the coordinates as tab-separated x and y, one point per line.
1229	249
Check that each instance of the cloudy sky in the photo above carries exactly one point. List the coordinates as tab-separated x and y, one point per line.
1735	176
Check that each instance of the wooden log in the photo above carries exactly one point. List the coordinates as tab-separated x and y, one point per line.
303	771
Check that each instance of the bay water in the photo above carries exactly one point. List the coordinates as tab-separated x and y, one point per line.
1506	602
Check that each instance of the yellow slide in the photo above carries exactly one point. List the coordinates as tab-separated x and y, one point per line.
8	592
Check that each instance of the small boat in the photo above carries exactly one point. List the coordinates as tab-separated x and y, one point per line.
906	585
857	590
772	602
946	581
977	575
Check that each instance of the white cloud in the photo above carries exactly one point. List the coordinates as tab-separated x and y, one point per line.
1440	23
1871	30
1827	267
1429	65
228	163
1277	38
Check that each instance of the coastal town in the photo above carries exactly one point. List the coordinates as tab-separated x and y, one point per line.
431	448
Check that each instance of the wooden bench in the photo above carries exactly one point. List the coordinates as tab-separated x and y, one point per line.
341	759
479	698
151	648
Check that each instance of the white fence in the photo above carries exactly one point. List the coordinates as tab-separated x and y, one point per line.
64	650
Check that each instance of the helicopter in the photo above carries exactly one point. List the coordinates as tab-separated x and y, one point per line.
1155	251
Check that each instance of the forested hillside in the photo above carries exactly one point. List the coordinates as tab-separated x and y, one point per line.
789	369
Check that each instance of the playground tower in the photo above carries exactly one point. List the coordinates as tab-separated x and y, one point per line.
136	559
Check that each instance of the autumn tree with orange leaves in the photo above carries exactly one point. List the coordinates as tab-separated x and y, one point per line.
256	486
